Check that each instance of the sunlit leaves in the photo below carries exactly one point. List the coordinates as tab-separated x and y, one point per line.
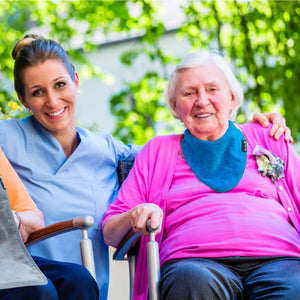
261	39
74	24
139	108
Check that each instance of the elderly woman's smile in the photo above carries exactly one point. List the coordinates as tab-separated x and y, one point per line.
203	115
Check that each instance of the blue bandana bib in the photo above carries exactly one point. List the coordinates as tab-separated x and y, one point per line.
219	164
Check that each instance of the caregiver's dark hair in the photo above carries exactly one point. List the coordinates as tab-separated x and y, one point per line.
33	50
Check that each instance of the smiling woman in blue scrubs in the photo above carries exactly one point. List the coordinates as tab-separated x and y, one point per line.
68	170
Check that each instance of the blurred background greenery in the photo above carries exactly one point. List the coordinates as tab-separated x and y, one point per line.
261	39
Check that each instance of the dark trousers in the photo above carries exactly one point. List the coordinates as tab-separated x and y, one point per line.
65	281
231	278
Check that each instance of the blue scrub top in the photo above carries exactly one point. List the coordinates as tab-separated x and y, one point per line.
84	184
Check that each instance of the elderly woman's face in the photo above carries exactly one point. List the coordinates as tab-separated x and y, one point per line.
203	101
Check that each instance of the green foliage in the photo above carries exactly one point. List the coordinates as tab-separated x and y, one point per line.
138	109
260	38
66	22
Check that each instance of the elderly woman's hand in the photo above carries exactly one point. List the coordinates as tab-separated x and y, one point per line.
278	125
141	213
116	227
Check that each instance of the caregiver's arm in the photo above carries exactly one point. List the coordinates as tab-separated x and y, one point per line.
28	221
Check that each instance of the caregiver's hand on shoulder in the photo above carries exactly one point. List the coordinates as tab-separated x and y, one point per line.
278	125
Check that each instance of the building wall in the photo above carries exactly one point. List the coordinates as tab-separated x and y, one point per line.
93	100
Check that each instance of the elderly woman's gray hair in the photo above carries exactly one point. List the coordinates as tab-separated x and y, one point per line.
203	58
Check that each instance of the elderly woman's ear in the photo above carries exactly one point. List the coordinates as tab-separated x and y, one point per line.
232	102
174	108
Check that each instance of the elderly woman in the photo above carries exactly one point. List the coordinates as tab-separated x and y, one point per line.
226	196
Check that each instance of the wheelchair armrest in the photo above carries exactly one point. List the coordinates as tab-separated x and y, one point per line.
57	228
129	245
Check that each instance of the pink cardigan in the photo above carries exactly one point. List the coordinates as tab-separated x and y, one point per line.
151	177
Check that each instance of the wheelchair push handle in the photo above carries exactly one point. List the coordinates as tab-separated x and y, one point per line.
149	228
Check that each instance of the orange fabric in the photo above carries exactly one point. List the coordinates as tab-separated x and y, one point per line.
17	194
